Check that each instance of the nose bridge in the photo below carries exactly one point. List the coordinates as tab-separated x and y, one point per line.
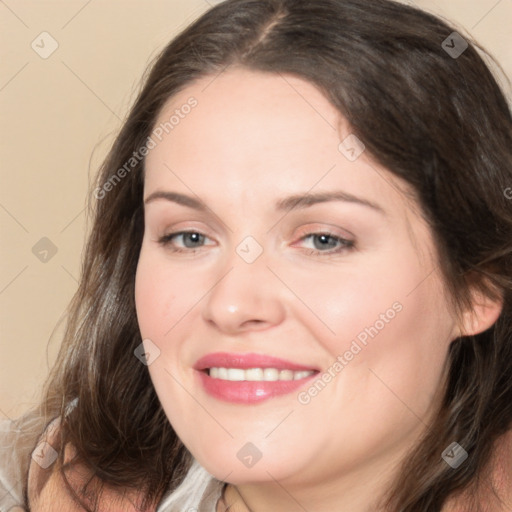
246	264
246	294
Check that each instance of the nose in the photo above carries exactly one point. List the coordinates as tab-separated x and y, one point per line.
246	297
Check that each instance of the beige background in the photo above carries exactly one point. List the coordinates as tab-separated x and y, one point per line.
58	116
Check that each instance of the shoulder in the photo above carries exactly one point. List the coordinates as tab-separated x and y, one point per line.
502	474
47	489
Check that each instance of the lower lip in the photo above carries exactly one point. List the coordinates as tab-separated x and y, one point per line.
249	392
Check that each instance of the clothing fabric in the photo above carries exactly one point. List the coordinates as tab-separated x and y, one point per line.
199	492
17	440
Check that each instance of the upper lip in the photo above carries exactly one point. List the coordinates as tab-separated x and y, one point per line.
245	361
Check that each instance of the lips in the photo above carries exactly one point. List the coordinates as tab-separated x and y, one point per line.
245	389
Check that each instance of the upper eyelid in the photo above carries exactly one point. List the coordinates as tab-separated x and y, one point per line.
153	214
209	216
323	227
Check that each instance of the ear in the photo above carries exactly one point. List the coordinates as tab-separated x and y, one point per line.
484	312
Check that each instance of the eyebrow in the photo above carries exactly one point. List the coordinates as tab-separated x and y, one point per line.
295	201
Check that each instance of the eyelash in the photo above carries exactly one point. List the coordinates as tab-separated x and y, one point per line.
345	244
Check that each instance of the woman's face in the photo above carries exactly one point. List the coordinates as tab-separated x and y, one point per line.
342	288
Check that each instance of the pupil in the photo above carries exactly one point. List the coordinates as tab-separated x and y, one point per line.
194	236
323	239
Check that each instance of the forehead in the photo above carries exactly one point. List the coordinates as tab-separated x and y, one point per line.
261	111
251	132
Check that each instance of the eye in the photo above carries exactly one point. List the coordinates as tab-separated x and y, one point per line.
323	243
192	240
327	243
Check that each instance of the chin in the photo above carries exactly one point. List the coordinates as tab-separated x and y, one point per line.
237	467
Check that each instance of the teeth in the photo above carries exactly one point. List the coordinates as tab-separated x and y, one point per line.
257	374
302	375
270	374
285	375
253	374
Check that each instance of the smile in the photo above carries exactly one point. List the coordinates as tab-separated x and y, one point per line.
249	378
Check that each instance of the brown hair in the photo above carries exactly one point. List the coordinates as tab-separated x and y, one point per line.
440	123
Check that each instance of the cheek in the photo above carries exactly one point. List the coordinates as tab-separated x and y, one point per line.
393	361
148	299
160	303
340	303
162	296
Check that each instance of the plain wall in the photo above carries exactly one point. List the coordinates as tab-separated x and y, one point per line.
58	116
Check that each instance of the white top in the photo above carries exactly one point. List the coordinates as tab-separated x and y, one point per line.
199	491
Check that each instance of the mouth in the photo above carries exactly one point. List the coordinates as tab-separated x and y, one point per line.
250	378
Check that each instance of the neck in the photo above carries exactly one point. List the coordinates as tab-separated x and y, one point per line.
358	491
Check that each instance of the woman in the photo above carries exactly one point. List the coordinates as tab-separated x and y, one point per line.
297	290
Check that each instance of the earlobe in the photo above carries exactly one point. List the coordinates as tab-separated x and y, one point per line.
483	315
